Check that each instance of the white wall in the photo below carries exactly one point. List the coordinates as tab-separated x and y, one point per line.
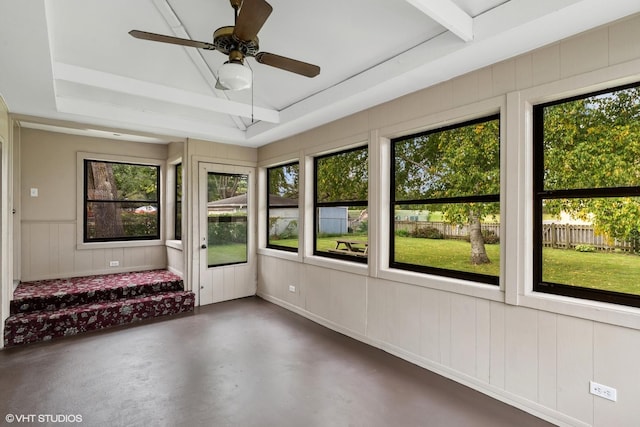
537	352
175	248
6	217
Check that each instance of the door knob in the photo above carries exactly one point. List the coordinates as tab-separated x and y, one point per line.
203	246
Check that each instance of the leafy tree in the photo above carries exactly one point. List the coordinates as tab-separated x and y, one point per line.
594	143
101	185
343	176
456	162
283	181
135	182
222	186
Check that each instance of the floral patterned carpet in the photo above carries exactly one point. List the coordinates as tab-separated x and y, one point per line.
49	309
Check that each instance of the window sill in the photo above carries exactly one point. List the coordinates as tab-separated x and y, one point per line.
442	283
614	314
175	244
338	264
275	253
119	244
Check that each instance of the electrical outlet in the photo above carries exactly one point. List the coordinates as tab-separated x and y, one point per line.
114	263
603	391
292	288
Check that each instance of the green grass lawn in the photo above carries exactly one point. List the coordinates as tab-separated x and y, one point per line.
226	254
289	243
616	272
449	254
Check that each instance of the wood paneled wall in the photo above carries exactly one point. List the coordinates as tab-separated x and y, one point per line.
536	353
49	223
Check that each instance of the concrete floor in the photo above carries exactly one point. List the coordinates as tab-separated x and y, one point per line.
240	363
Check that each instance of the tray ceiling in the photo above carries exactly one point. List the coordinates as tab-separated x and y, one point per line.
72	61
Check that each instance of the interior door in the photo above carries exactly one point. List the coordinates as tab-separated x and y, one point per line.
227	237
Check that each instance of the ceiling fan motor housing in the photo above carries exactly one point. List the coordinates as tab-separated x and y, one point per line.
225	42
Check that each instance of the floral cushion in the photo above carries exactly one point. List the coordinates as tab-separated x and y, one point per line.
49	309
24	328
61	293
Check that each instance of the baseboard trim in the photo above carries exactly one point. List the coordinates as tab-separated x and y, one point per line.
176	271
502	395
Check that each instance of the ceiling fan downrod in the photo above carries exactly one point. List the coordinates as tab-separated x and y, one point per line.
236	5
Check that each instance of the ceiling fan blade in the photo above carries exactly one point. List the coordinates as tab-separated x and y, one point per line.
169	39
288	64
252	17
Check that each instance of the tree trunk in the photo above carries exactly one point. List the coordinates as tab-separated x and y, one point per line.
478	251
102	186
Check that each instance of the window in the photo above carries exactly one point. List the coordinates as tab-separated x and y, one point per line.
121	201
445	194
227	218
340	204
282	207
587	196
177	232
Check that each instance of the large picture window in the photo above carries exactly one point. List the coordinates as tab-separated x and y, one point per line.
341	199
122	201
282	207
445	194
587	196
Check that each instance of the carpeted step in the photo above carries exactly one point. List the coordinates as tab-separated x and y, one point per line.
43	325
62	293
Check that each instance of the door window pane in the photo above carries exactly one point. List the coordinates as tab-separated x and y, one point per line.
227	218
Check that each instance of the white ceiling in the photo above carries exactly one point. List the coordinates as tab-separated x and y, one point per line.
71	63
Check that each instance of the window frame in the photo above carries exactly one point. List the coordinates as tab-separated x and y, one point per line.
86	160
79	199
268	206
540	194
317	205
177	200
393	203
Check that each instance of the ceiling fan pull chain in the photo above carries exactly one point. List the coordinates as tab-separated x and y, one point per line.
249	65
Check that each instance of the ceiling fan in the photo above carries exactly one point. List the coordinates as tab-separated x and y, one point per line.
239	41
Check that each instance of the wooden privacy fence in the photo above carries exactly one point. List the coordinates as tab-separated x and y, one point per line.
568	236
564	236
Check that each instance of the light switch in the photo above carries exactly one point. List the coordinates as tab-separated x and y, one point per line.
34	192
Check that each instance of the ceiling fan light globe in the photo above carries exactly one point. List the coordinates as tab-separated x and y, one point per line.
234	76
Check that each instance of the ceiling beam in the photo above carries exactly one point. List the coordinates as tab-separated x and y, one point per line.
120	84
449	15
115	117
195	55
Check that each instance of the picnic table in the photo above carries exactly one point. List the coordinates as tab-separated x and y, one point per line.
351	247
